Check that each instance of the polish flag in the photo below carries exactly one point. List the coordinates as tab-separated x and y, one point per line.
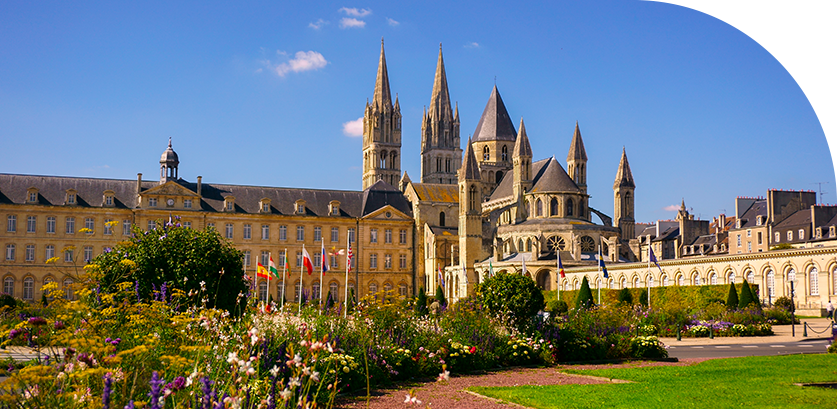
306	260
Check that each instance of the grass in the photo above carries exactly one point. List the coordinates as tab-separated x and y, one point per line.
763	382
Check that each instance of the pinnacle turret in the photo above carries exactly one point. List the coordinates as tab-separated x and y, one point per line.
440	108
470	169
623	175
577	151
382	98
521	145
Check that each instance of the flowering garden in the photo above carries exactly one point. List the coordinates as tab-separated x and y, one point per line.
140	338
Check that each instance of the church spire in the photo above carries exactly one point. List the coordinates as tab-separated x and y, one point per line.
382	98
577	151
440	151
521	145
470	169
577	160
623	175
440	107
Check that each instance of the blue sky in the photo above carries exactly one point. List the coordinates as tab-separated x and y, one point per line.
259	93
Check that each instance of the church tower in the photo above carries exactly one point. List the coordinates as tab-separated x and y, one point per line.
168	165
382	132
440	151
577	161
522	160
623	199
470	212
493	141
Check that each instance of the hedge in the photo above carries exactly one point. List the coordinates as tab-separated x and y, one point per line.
671	297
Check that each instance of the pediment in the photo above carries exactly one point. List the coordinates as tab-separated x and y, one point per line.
170	188
387	213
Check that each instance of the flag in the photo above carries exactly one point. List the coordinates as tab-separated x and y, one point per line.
560	267
271	268
602	264
523	270
490	269
349	255
324	258
653	258
441	278
261	271
306	260
287	265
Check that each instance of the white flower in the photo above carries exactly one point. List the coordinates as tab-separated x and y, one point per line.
444	376
315	376
286	394
294	382
274	371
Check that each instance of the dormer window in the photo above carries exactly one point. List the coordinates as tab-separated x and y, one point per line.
819	232
738	224
832	231
264	205
334	208
229	203
152	202
299	207
32	196
108	198
71	197
759	220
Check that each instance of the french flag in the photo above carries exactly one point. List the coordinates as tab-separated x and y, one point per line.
306	261
324	260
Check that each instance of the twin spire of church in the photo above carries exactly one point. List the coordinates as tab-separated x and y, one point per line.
441	155
382	132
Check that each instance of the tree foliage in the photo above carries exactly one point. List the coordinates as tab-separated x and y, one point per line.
421	302
732	297
585	296
624	297
199	262
513	296
440	296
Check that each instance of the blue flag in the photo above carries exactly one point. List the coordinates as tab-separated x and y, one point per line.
653	258
602	264
441	278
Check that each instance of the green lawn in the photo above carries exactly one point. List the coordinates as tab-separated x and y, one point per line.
763	382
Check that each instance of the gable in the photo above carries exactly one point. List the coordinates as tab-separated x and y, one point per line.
388	213
169	188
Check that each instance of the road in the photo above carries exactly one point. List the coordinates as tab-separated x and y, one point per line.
818	346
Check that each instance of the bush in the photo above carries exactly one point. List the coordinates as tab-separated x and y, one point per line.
784	303
747	296
625	297
557	307
732	297
647	347
421	303
7	302
514	297
440	296
585	296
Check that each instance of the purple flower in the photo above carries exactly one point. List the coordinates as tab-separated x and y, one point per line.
106	392
177	384
107	250
156	386
37	321
14	333
59	325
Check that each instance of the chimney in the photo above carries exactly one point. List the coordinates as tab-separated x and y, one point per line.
139	182
200	178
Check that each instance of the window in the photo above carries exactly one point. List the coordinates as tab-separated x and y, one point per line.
317	258
187	225
187	203
297	289
126	227
49	251
300	233
373	288
299	259
402	261
247	258
210	225
373	261
388	236
263	291
152	202
88	254
30	252
553	205
351	234
281	259
388	261
108	227
778	238
758	235
10	252
373	235
11	226
9	286
749	246
265	232
569	207
335	234
731	278
318	234
486	153
228	231
28	288
283	232
68	255
801	234
33	197
108	200
50	224
442	219
229	205
70	224
402	290
31	222
538	208
738	240
265	257
402	237
332	288
790	235
713	279
152	224
71	198
681	280
315	291
248	231
333	261
68	289
89	224
749	233
265	207
814	280
505	154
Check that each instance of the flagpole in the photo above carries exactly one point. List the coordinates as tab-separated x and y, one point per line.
299	301
256	284
269	262
648	283
346	285
322	272
599	283
558	274
284	278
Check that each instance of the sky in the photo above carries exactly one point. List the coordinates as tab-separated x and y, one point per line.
269	93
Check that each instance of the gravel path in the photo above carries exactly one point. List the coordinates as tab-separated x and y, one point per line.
451	394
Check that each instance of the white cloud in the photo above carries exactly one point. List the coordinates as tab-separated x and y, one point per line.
302	61
348	22
392	22
318	24
672	208
472	45
353	128
355	12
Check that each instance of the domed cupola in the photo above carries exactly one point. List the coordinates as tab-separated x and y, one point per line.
168	165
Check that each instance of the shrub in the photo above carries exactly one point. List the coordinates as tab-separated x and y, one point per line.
643	297
514	297
585	296
732	297
421	303
7	302
747	296
647	347
625	297
557	307
440	296
784	303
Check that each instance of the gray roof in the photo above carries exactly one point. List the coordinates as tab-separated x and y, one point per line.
624	177
668	234
550	176
798	218
382	96
495	123
577	151
758	208
52	190
382	194
470	169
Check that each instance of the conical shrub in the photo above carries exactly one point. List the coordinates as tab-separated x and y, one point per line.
732	297
585	296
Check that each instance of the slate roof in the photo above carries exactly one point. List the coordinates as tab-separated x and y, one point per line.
381	194
495	123
758	208
52	190
577	151
469	164
624	177
521	145
550	176
437	192
382	96
798	218
668	234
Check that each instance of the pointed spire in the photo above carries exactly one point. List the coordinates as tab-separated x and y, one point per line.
624	178
382	98
495	123
682	204
470	169
440	98
169	142
577	151
456	113
521	145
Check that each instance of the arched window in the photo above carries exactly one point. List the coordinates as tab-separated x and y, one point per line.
263	291
681	280
664	280
373	288
472	198
28	288
580	208
528	244
623	283
442	219
315	291
9	286
505	154
771	283
499	177
814	281
333	288
695	279
576	285
553	207
731	278
713	279
834	278
636	282
297	290
791	275
519	245
569	207
538	208
486	153
751	277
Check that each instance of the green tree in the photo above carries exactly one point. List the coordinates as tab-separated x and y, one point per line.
747	296
512	296
624	297
585	296
197	261
643	297
732	297
421	303
440	296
